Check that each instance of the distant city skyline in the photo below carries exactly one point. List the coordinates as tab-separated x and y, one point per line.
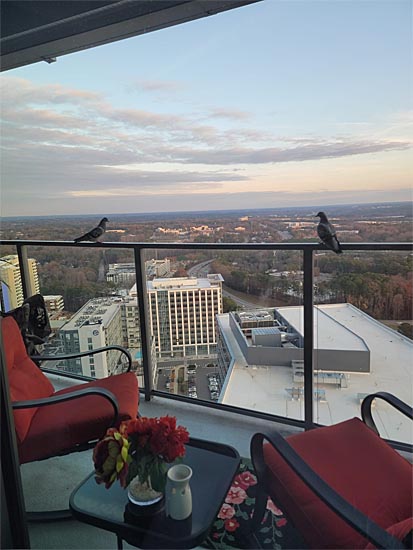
276	104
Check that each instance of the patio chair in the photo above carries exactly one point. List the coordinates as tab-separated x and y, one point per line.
342	486
52	423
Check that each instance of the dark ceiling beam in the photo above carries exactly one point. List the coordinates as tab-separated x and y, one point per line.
35	30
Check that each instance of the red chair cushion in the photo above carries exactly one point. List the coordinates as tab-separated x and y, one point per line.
355	462
60	427
26	380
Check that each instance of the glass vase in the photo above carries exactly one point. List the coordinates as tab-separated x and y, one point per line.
141	493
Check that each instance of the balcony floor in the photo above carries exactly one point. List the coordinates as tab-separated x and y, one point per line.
48	484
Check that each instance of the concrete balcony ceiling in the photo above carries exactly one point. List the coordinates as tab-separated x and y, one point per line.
35	30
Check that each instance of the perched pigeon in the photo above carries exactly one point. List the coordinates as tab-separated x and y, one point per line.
94	234
327	234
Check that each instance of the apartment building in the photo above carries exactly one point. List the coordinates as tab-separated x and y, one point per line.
124	273
11	283
182	314
54	303
97	324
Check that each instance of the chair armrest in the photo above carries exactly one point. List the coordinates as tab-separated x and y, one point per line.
85	354
77	394
351	515
389	398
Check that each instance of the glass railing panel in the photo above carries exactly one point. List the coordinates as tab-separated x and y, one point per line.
91	303
215	328
363	336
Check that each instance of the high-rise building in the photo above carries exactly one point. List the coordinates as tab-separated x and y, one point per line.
182	314
11	283
97	324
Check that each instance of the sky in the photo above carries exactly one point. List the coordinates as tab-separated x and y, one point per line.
280	103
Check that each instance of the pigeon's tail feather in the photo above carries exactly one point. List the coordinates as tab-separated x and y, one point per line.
79	239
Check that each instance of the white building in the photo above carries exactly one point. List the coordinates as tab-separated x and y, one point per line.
267	383
182	314
11	283
54	303
97	324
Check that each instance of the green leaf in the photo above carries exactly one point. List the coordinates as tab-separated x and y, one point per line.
267	541
265	529
219	524
231	538
158	476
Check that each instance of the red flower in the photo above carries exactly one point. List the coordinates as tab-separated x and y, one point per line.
281	522
168	440
231	525
145	444
273	508
245	480
140	429
110	457
235	495
226	512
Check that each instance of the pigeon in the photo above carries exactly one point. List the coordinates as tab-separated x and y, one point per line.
94	234
327	234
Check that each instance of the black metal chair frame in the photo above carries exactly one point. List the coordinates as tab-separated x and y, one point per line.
54	515
361	523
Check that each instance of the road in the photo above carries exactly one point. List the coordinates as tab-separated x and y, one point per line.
202	269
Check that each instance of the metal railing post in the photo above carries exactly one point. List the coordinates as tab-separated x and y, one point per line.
308	337
143	321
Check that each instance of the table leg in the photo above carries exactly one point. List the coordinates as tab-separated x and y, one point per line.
120	542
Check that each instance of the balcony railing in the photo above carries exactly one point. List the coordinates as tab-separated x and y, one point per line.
138	250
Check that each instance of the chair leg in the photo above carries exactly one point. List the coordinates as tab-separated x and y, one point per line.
49	515
259	508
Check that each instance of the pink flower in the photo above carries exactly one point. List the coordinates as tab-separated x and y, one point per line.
226	512
231	525
245	480
281	522
236	495
273	508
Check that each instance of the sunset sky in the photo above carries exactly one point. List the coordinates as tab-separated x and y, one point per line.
275	104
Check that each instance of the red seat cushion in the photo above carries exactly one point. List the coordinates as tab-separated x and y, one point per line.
26	380
355	462
59	427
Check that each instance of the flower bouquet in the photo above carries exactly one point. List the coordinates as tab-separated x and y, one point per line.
137	454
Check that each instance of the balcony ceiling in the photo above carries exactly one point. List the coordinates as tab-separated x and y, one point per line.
42	30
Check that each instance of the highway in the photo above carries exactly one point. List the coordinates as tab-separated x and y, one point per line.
202	270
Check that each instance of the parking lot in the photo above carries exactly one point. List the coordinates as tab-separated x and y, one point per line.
198	385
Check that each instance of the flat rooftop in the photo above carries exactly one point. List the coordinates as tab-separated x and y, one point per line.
265	388
97	308
329	333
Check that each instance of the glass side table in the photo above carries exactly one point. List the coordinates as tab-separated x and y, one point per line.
214	466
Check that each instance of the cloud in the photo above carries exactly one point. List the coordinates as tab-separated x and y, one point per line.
155	86
331	149
62	142
231	114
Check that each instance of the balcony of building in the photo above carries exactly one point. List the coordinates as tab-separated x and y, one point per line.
252	396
